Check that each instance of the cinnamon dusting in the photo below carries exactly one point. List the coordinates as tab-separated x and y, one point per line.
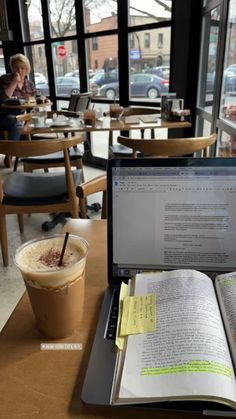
51	258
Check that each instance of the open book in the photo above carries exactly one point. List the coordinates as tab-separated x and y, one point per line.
192	353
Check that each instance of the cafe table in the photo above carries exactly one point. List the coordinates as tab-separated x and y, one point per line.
28	106
46	384
109	124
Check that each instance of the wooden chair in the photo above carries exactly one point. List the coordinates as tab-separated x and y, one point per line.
52	160
24	193
4	135
168	147
7	159
98	184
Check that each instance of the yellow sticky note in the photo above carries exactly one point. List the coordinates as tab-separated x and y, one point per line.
120	340
138	314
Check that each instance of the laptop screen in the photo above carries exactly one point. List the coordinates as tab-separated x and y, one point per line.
171	213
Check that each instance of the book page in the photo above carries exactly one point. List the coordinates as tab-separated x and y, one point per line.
187	355
226	292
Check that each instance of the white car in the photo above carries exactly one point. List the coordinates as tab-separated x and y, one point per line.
39	78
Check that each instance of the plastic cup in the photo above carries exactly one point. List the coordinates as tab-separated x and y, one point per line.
89	117
39	117
56	293
116	111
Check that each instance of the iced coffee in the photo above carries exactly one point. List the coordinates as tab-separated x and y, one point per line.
116	111
56	292
89	117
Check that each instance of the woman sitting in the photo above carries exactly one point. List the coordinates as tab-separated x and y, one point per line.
15	84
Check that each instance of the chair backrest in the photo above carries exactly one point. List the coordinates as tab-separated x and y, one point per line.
83	101
98	184
73	99
23	148
168	147
79	101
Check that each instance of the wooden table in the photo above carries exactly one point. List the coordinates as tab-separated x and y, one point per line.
44	384
26	106
109	124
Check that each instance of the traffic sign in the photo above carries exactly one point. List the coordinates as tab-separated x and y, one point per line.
61	51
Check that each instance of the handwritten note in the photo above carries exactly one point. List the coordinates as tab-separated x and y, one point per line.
138	314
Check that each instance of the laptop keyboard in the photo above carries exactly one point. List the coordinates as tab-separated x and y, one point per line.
112	322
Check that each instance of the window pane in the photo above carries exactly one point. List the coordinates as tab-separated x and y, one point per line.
149	11
66	67
31	17
103	62
37	57
144	57
227	145
149	65
229	76
100	15
2	64
210	37
62	18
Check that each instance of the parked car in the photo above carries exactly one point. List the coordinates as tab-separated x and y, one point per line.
64	85
39	78
161	71
101	78
74	73
230	78
141	84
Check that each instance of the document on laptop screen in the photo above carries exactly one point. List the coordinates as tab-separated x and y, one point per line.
174	217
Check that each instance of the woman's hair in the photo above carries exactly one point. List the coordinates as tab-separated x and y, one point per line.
19	58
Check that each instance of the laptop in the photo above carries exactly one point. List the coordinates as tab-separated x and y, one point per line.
162	214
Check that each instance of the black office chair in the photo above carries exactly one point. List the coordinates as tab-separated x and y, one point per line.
78	101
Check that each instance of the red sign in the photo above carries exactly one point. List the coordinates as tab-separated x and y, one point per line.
61	51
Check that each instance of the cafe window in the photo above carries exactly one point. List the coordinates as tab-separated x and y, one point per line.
31	20
151	11
56	51
210	42
39	74
100	15
104	65
228	90
151	60
66	62
217	76
147	40
62	18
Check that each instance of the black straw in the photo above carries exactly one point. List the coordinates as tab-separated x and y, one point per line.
63	249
